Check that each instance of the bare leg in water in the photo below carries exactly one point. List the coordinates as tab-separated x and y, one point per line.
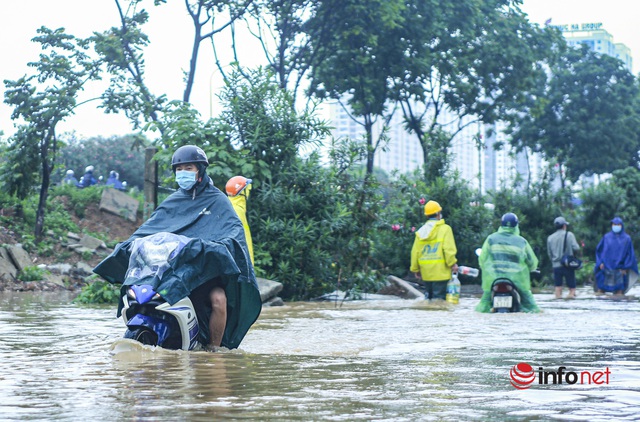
218	320
558	292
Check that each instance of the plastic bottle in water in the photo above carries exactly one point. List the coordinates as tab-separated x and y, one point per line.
469	271
453	289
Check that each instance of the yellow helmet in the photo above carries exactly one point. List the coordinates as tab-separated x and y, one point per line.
432	207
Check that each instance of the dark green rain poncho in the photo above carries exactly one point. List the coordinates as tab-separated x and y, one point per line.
217	251
506	254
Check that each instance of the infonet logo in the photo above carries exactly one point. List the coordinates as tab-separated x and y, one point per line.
522	376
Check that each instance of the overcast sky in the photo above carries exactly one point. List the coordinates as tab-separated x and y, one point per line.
170	32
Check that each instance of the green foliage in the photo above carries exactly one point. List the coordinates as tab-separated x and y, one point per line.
263	126
296	223
98	291
121	51
79	199
585	276
457	57
41	101
590	105
617	196
32	273
352	60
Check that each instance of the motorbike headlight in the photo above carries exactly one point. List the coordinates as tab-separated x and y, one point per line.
131	293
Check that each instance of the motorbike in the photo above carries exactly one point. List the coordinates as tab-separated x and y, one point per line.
149	318
505	296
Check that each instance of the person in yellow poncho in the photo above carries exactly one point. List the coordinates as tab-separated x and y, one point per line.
433	255
238	188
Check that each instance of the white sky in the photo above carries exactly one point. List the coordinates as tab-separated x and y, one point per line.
170	32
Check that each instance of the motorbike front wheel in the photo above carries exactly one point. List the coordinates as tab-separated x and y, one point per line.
143	335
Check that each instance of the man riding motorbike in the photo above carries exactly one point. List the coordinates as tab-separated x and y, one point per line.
506	254
214	269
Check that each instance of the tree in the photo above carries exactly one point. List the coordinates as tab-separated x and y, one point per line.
280	29
43	100
588	118
464	62
354	57
121	51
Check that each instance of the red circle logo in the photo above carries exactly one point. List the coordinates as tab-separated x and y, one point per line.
522	376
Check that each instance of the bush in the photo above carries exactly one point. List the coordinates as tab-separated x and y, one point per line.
33	273
79	199
98	292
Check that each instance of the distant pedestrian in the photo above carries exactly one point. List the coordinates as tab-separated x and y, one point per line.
616	261
114	180
87	179
70	178
559	244
433	255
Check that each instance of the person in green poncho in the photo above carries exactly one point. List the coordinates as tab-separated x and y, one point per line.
506	254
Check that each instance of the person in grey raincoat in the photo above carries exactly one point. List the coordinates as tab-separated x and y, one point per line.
214	269
506	254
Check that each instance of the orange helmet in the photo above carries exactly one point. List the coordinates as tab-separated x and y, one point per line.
237	184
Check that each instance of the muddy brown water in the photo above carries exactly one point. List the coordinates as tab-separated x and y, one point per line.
381	360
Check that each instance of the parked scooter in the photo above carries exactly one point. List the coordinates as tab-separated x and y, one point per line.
148	317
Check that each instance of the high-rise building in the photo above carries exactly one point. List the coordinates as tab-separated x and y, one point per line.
474	155
598	39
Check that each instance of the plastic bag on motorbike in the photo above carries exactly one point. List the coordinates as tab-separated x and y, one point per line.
150	255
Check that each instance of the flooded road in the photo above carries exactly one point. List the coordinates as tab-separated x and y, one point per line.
393	360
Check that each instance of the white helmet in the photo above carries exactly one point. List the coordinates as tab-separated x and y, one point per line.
69	172
88	169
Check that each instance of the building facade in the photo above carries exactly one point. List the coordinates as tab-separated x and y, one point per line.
598	39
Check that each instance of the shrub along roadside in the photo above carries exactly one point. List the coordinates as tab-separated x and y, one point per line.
98	291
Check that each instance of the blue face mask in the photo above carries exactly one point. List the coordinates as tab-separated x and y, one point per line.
186	179
616	229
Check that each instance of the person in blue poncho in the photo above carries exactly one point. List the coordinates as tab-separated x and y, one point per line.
114	180
214	269
87	179
616	268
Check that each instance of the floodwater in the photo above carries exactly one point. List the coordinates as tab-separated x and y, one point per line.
381	360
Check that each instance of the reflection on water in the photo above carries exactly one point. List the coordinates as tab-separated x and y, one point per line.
369	360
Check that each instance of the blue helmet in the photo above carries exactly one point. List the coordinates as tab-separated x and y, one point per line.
509	220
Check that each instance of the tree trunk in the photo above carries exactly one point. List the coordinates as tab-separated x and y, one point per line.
42	202
368	125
